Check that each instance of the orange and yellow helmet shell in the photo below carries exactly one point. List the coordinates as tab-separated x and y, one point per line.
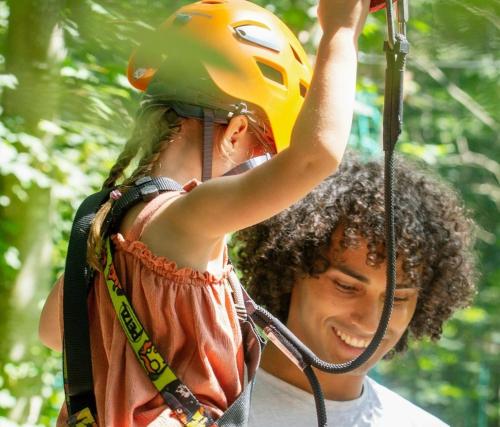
268	67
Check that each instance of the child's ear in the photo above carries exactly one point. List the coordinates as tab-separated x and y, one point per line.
236	129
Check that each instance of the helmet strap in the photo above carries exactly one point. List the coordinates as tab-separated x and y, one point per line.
249	164
208	142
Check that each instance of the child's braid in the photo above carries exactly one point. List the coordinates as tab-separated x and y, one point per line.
154	130
124	159
167	125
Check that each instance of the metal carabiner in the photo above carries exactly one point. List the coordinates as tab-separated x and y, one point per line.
403	16
402	19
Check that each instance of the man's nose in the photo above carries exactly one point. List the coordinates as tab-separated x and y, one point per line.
366	314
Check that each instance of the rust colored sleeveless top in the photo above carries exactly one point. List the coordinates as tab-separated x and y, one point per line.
189	315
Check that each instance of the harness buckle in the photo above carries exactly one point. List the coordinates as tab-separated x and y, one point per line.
241	312
142	180
148	191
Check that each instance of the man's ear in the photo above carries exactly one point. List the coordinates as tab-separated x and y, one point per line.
236	129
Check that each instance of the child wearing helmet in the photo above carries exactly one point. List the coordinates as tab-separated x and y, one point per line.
203	121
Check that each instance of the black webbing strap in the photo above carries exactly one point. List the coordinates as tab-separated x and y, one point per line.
145	189
238	413
290	346
249	164
77	364
78	277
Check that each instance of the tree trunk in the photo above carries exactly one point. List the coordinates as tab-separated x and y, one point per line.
34	48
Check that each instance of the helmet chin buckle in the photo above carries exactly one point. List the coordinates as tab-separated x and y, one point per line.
238	110
249	164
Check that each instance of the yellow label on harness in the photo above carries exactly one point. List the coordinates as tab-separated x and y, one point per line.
83	418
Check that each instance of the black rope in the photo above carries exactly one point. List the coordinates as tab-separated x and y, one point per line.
319	399
263	318
396	51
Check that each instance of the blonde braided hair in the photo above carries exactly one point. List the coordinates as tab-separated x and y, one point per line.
153	131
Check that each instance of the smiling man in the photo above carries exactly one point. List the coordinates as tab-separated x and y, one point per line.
320	267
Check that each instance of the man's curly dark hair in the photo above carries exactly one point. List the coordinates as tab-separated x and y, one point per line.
434	233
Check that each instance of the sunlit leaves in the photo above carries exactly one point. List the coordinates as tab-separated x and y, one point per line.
456	378
8	81
11	257
474	315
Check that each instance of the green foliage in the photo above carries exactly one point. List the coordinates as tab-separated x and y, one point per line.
451	121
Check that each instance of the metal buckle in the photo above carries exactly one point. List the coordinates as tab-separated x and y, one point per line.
149	192
143	180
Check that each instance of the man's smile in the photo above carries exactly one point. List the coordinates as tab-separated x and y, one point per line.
351	340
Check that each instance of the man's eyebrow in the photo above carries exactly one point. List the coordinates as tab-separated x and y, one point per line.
346	270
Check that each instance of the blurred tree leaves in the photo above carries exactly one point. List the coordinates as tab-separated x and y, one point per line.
66	108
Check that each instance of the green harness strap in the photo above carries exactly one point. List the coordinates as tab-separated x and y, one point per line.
175	393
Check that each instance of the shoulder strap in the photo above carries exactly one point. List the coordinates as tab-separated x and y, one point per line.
77	365
145	189
78	278
237	415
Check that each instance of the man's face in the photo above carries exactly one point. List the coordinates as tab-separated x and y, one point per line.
337	313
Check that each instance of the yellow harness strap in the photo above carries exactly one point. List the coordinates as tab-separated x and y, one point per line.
176	394
82	418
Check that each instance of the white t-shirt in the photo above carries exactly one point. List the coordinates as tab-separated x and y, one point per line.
276	403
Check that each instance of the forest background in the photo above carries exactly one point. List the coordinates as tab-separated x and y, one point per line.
66	108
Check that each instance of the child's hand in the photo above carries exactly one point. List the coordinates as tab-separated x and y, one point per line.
336	14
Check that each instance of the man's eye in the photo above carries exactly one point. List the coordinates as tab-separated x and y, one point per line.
400	299
343	287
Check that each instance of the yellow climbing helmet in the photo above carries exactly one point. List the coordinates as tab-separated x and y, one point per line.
268	69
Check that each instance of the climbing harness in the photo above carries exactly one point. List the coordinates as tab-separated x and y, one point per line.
78	280
79	388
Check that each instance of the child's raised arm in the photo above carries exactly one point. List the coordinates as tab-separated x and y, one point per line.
318	142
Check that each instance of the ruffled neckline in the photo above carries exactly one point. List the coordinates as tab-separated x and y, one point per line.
166	267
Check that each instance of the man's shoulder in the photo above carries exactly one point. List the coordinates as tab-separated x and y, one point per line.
395	405
277	403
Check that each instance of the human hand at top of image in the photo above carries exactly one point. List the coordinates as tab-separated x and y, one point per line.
336	14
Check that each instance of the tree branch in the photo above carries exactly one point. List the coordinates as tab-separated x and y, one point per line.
455	92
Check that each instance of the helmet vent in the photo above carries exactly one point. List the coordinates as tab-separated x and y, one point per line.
297	57
271	73
303	90
259	36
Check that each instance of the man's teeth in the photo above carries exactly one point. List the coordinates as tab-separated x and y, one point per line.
354	342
